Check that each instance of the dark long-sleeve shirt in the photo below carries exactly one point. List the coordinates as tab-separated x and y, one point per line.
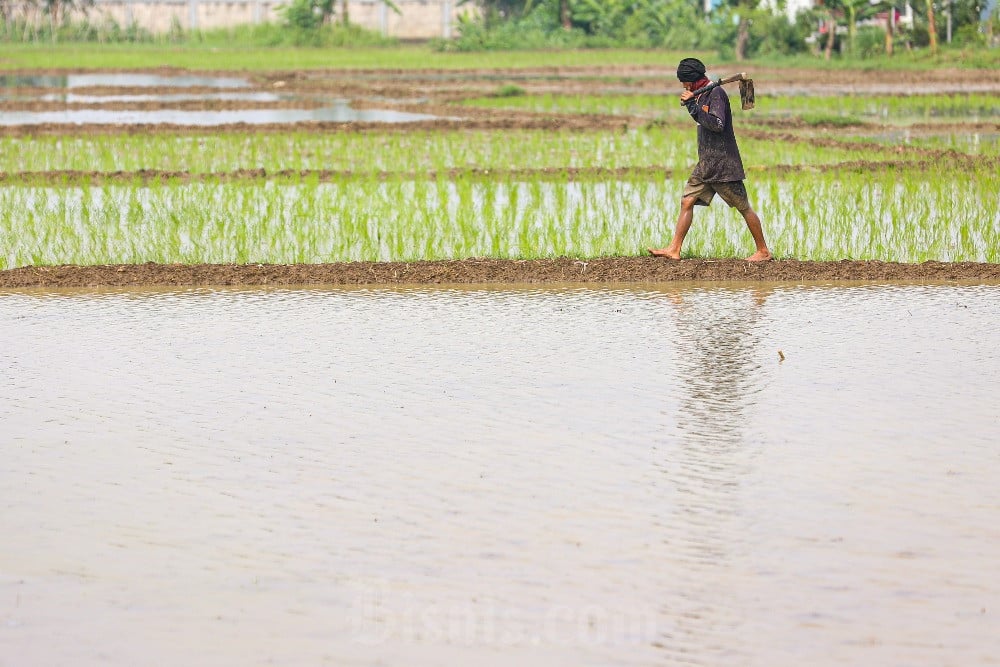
718	155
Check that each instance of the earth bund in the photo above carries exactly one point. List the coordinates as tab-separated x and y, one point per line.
607	270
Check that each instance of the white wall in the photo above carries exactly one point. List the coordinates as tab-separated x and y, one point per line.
792	7
420	19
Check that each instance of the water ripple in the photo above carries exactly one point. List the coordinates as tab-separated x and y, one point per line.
553	476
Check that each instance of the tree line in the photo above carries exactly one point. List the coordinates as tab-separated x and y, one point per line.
737	29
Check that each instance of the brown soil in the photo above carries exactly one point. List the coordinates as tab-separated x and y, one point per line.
178	105
69	177
498	122
495	271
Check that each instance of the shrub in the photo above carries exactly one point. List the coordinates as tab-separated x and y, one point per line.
869	41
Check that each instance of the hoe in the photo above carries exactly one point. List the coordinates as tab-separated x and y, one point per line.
746	88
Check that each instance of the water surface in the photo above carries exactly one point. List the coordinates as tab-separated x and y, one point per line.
336	111
340	113
121	79
477	476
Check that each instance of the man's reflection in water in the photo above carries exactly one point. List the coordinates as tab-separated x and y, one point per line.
717	345
703	461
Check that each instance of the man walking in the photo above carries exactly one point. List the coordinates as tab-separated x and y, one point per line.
720	168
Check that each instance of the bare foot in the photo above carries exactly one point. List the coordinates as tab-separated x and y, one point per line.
663	252
760	256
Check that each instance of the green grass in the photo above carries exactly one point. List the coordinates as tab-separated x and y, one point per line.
135	56
230	56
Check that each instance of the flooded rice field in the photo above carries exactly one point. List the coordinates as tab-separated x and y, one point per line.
339	112
134	98
694	473
43	98
74	80
224	172
227	442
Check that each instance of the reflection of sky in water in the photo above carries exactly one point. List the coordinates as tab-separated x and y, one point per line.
73	98
153	80
123	80
567	476
339	113
966	141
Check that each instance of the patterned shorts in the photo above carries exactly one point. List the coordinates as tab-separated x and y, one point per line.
732	192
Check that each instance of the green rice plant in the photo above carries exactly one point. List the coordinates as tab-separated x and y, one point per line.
665	106
886	107
882	107
903	215
889	215
672	147
510	90
971	142
831	120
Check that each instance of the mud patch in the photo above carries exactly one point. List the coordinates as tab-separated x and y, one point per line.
495	271
555	174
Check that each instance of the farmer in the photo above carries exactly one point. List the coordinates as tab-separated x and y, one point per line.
719	169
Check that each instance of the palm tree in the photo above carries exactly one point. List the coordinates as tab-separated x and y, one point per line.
890	29
743	9
858	10
831	25
931	28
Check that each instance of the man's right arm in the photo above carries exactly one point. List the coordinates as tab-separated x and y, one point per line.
707	116
689	101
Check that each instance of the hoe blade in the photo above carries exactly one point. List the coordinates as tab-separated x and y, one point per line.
746	94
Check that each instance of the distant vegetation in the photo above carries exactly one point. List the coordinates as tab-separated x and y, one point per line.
735	28
850	30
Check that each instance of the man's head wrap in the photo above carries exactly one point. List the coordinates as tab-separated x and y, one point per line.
690	70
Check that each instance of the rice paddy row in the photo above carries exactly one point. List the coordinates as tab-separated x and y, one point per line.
305	197
667	146
894	216
963	106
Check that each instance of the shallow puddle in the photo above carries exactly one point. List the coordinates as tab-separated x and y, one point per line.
968	142
119	79
766	475
339	111
74	98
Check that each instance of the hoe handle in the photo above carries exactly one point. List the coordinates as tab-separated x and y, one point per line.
742	76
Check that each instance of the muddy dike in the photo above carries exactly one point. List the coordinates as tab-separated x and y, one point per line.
494	271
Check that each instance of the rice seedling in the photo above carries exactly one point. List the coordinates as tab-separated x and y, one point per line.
905	215
672	147
909	107
969	142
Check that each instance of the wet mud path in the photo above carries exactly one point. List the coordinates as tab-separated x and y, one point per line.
73	177
495	271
